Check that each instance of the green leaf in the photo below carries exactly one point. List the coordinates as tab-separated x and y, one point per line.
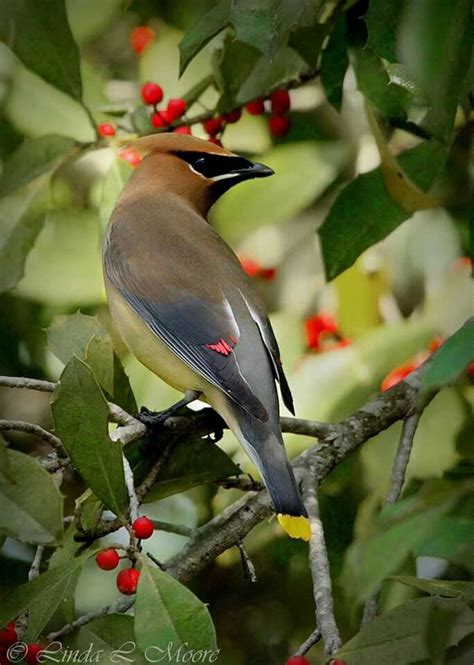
451	359
194	461
64	268
166	612
364	213
334	63
301	175
32	505
374	83
5	469
32	159
382	20
113	636
81	420
40	36
113	183
435	42
445	588
385	553
202	31
22	217
42	596
307	42
399	636
84	337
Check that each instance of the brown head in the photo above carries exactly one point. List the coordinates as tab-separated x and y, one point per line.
192	168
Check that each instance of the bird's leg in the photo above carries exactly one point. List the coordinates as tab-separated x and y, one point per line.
154	419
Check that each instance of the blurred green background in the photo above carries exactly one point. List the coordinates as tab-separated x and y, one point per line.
397	297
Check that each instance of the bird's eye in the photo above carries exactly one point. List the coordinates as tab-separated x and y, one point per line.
200	161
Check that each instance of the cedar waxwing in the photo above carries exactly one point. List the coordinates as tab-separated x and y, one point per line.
185	306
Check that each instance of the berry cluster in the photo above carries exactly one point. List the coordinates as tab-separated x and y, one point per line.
323	334
255	269
127	579
9	637
152	95
278	122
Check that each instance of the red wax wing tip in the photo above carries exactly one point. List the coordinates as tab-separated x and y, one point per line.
140	38
223	347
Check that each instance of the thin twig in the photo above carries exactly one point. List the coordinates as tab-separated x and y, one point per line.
36	564
247	564
243	484
30	428
319	565
155	560
308	643
119	606
397	479
130	485
179	529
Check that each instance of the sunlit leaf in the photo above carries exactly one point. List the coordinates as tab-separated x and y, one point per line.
166	612
81	420
39	34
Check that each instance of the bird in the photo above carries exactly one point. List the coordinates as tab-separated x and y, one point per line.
186	309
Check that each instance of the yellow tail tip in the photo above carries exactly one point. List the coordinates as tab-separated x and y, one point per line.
295	527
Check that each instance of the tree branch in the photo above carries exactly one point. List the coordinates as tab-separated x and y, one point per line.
30	428
319	565
400	463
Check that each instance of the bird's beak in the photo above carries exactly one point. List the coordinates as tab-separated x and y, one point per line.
260	170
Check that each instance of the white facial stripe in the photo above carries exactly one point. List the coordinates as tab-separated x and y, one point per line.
223	176
196	172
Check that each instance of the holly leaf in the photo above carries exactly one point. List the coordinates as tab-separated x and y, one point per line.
334	63
166	612
445	588
31	159
364	212
41	597
113	636
194	461
83	336
451	359
39	34
32	505
202	31
22	217
81	415
402	635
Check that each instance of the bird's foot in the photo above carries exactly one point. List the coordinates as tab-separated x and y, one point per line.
153	420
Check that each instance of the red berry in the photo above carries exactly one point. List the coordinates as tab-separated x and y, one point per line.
470	370
338	662
396	375
214	125
33	652
131	156
176	108
297	660
143	527
251	267
160	119
257	107
151	93
268	273
127	581
182	129
106	129
435	343
140	38
215	141
316	327
8	635
280	100
279	125
233	116
107	559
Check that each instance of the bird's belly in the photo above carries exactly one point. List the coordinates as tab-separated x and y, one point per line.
149	349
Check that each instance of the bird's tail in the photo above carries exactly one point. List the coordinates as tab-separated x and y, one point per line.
266	450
